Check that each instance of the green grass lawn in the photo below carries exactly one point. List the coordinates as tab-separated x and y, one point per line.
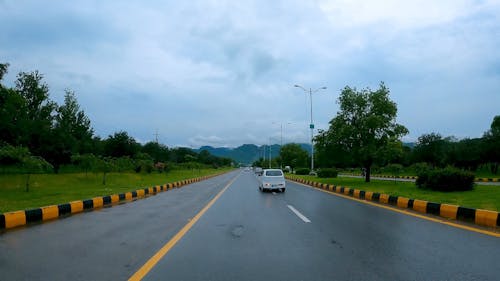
482	197
50	189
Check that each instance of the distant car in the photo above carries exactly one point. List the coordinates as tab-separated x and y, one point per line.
258	171
272	179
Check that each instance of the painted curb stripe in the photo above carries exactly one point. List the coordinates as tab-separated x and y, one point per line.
362	194
13	219
384	199
2	221
18	218
106	200
433	208
449	211
76	207
97	202
33	215
50	212
393	200
476	216
485	217
64	209
88	204
466	214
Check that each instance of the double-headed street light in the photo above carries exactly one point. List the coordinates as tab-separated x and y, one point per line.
311	125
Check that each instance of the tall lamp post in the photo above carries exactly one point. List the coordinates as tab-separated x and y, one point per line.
281	140
270	152
311	125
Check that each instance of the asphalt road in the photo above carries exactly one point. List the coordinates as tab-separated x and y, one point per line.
248	235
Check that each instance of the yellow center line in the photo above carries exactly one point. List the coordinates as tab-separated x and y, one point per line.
146	268
406	212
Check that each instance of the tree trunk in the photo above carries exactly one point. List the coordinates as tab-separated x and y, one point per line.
28	182
367	173
494	168
104	178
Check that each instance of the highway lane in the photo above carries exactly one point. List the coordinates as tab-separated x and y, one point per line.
248	235
107	244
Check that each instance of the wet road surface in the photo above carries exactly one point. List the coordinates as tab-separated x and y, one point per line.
302	234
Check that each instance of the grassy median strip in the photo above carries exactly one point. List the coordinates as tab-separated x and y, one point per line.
50	189
482	197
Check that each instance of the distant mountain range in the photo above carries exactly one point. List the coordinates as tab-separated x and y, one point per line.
247	153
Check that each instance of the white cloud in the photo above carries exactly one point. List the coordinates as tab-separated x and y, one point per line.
394	13
218	72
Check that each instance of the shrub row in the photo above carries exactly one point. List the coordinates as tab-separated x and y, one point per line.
327	173
447	179
302	171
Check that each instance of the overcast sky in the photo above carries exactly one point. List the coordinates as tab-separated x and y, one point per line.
221	73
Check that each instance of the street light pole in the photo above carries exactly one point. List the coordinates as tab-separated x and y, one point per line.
281	142
311	125
270	147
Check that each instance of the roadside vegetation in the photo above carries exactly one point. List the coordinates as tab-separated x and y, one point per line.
50	189
49	153
482	196
364	139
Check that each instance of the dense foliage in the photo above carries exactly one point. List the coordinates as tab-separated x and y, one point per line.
447	179
302	171
365	129
364	135
327	173
36	133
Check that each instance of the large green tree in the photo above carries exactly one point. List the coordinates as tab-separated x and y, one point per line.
433	149
12	113
121	144
37	127
365	128
158	151
293	155
491	140
72	132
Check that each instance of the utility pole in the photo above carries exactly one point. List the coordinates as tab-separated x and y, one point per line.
311	125
156	136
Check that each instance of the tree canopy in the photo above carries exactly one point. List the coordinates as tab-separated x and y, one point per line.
62	134
365	128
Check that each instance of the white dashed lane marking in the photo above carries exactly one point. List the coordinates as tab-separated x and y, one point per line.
301	216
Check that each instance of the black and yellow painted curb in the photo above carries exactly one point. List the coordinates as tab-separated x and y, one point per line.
19	218
487	179
476	216
415	177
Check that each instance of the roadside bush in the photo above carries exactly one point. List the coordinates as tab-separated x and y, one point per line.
448	179
145	166
420	167
393	169
302	171
327	173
